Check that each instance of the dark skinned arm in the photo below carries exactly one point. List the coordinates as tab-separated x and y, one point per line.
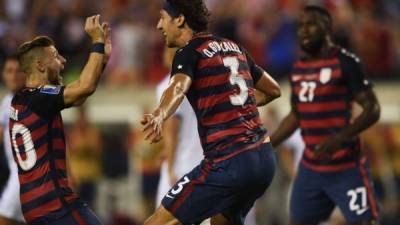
170	100
370	115
286	128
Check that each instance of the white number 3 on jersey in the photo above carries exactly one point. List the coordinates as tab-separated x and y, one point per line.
235	79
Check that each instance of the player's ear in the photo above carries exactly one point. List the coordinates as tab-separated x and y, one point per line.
180	20
40	65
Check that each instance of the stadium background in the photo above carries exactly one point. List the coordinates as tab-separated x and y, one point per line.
117	172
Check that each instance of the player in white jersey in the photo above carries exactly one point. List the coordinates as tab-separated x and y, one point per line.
182	148
10	206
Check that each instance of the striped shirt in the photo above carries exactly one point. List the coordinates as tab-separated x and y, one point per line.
222	94
37	137
322	93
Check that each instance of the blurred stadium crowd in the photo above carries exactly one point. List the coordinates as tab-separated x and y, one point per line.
115	171
265	27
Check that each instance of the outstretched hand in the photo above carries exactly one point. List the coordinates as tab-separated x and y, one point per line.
152	127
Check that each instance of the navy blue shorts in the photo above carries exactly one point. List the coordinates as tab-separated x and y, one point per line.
80	215
229	187
315	194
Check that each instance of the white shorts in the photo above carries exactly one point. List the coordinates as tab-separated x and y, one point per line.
10	205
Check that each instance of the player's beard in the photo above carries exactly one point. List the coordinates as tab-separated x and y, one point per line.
172	39
170	43
314	46
54	77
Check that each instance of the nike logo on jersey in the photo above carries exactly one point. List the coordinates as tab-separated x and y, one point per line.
169	196
361	211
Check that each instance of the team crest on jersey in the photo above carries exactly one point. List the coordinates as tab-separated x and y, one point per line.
325	75
14	113
50	89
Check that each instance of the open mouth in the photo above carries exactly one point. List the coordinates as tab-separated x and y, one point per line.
305	41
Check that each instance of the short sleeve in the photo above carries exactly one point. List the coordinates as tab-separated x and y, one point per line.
255	71
185	61
354	75
48	100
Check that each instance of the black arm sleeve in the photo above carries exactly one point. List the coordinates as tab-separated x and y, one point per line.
185	61
48	100
354	75
255	71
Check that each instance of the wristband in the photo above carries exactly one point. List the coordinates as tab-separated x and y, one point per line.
97	47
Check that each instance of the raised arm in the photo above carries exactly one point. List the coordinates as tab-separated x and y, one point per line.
77	92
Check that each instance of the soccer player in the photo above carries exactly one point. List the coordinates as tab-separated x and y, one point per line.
182	148
221	82
10	206
36	127
325	81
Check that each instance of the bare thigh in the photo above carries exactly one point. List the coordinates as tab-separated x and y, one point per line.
162	217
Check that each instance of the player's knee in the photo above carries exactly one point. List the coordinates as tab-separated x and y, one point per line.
161	216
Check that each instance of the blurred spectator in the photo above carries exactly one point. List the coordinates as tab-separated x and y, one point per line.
116	196
264	27
383	150
147	163
374	44
130	45
226	25
280	51
85	146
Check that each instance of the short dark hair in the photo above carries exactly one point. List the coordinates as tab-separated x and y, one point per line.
195	12
8	58
324	15
27	51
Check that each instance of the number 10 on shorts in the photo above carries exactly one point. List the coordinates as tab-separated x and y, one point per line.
356	204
